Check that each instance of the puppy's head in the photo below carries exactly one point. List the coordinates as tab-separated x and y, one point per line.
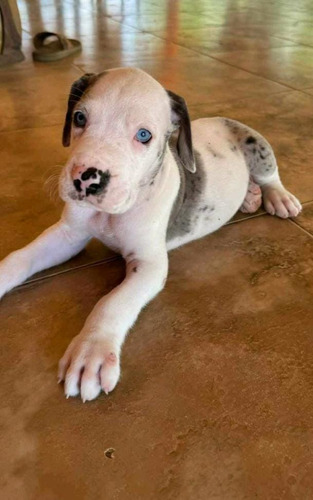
119	123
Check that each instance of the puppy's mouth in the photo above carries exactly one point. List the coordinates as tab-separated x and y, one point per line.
92	187
110	200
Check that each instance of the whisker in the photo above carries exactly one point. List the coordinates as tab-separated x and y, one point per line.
51	183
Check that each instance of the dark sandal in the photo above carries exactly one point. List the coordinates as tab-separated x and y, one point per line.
57	48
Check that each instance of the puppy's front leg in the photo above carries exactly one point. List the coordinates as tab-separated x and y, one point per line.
91	362
54	246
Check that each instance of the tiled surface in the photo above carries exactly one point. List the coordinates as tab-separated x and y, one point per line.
175	70
309	91
291	66
305	220
216	395
223	38
34	98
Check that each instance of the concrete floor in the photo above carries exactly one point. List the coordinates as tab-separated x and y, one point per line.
216	396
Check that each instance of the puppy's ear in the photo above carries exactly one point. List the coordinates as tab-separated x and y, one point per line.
180	119
78	88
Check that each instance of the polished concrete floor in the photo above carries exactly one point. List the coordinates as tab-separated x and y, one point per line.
216	396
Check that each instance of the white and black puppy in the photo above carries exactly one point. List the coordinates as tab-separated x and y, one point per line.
141	191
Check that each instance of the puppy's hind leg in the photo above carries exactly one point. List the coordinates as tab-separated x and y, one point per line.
253	199
264	172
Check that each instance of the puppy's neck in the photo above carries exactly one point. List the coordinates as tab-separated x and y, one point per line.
162	182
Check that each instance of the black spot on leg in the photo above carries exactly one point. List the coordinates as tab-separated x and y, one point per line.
135	269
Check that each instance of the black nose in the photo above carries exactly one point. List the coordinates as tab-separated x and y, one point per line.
90	172
93	181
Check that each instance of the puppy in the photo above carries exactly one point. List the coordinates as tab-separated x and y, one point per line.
144	180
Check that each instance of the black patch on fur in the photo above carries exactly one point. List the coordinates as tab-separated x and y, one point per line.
156	169
78	89
189	203
258	153
184	141
206	208
158	163
250	140
232	125
232	146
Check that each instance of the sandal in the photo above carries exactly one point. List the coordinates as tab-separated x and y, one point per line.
57	48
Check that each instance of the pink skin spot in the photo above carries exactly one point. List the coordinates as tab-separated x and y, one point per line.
112	359
76	172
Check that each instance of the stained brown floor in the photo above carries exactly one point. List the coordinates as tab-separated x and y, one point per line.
216	397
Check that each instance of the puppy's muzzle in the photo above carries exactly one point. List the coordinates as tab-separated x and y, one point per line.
90	181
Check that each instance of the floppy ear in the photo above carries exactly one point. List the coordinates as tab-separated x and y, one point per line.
181	120
77	90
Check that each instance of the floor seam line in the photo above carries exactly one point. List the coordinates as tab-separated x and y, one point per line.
65	271
301	228
217	59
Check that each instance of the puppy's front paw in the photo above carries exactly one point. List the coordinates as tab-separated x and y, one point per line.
278	201
90	363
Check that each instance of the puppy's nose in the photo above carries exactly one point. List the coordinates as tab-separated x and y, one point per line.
77	171
90	181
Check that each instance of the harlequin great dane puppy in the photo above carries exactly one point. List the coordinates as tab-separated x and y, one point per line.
142	190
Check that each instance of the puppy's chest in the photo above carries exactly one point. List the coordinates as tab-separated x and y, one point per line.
112	231
103	228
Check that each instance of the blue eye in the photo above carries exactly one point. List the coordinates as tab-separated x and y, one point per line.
79	119
143	135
